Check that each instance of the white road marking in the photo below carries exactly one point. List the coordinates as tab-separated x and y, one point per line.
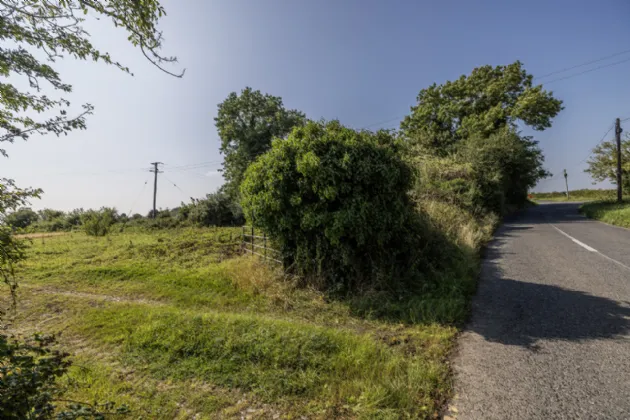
582	244
588	248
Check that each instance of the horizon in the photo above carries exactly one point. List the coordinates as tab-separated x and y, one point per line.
360	62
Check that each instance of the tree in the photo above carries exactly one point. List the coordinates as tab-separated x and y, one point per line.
602	164
98	222
217	209
335	202
484	102
21	218
55	30
246	124
507	165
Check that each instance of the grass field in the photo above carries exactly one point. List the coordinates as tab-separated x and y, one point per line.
576	195
609	212
176	324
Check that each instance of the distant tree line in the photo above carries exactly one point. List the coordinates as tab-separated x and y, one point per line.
216	209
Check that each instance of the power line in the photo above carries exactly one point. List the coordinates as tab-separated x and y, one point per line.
587	71
598	143
144	186
191	166
384	122
582	65
176	186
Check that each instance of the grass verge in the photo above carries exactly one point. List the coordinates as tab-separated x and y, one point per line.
611	212
576	195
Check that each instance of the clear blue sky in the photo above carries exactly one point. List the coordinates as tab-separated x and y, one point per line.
360	61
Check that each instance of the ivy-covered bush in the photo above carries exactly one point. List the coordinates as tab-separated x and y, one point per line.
336	201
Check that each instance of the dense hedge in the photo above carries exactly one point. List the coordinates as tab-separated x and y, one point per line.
336	201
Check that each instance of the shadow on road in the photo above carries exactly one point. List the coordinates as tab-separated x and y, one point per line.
518	312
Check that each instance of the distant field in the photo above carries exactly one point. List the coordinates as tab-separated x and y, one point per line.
177	325
576	195
609	212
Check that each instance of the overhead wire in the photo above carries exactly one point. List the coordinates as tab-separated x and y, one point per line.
177	186
144	186
582	65
587	71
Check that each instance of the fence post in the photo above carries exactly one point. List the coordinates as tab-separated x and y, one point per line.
265	245
252	239
243	239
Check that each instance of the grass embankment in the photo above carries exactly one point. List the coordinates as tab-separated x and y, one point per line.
176	325
608	212
576	195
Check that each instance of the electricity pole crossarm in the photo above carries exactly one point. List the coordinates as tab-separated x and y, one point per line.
156	171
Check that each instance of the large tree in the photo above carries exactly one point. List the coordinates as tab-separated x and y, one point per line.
603	163
482	103
247	123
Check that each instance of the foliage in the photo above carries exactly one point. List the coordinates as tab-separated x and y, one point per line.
98	222
40	29
485	175
217	209
487	101
508	166
608	212
602	165
28	374
335	200
246	124
577	195
21	218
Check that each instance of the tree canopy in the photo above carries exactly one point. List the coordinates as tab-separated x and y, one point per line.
482	103
246	124
55	31
602	166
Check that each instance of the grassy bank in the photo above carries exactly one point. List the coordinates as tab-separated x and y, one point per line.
576	195
176	325
609	212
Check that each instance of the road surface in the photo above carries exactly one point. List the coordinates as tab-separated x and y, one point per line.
549	336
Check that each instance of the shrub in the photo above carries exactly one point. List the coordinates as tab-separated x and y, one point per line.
507	163
98	222
336	202
21	218
217	209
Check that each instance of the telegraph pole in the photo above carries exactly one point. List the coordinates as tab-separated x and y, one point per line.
156	171
619	180
566	182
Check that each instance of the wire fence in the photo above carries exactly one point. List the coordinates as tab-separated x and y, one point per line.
258	244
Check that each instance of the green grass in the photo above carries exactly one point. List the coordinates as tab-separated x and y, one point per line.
176	325
576	195
608	212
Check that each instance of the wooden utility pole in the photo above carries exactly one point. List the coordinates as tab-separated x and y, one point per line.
566	182
619	179
156	171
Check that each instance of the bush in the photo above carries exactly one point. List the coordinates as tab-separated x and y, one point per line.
21	218
217	209
336	202
98	222
507	166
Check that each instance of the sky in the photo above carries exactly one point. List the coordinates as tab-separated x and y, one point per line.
360	61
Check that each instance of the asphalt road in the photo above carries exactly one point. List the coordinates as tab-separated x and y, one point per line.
549	336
